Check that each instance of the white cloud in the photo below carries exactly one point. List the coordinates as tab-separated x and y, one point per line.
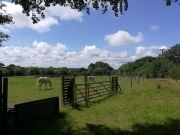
64	13
4	29
42	54
53	16
153	51
154	27
121	38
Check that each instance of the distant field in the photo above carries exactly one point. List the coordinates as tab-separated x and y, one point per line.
23	89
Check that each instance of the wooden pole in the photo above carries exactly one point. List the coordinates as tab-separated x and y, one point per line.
5	99
131	80
1	94
86	89
62	89
162	70
74	89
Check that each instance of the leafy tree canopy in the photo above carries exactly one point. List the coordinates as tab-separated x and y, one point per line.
169	2
38	6
2	65
4	19
35	9
173	54
99	68
151	66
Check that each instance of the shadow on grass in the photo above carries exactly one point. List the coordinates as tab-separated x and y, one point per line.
171	127
53	125
63	125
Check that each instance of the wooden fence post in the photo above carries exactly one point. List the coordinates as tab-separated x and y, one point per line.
131	80
62	89
74	89
5	100
86	89
1	95
114	84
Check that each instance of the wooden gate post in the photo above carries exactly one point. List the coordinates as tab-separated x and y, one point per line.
5	100
114	84
1	95
86	90
74	89
62	89
68	90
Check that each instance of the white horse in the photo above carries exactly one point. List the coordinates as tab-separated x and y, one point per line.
45	81
91	78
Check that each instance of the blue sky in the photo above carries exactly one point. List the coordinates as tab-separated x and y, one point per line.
74	39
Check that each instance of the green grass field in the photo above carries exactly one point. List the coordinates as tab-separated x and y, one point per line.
24	89
142	110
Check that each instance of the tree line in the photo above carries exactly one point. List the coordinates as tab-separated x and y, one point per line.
155	67
150	67
99	68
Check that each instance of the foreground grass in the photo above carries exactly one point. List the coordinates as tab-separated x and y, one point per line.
142	104
142	110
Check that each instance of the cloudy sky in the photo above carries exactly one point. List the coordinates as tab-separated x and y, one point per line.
70	38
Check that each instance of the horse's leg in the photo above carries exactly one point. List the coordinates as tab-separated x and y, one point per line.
39	86
45	85
50	84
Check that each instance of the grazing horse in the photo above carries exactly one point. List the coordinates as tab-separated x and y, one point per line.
91	78
45	81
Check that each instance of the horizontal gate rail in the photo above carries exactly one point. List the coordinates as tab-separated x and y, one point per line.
89	91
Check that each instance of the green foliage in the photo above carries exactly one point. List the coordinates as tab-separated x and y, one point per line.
2	65
99	68
4	19
38	7
151	66
173	54
169	2
175	74
13	70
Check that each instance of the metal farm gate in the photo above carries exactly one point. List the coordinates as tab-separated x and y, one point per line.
87	92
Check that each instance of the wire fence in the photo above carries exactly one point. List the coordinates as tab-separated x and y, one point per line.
24	88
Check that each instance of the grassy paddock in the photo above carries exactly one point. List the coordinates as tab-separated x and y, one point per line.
143	110
24	89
